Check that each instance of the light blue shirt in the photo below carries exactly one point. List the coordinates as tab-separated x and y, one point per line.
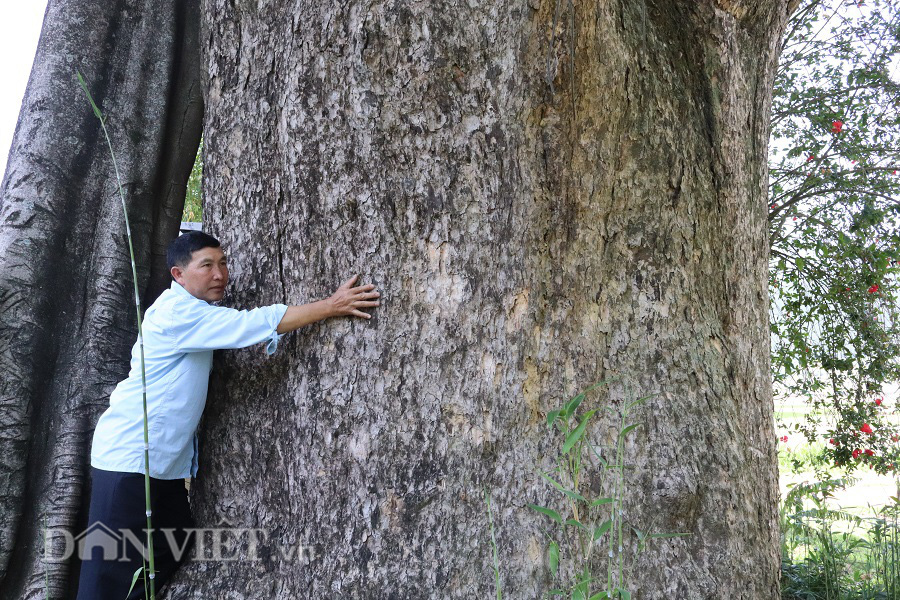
180	334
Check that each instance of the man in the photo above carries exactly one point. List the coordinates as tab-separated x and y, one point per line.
181	330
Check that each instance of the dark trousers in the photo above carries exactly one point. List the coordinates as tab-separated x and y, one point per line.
118	515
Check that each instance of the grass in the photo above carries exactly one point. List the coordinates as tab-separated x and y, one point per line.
840	535
830	554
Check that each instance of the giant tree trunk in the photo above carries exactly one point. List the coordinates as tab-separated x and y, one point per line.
548	194
66	306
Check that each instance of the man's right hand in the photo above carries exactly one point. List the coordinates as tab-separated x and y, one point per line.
349	301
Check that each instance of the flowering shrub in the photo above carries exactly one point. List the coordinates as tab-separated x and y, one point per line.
834	224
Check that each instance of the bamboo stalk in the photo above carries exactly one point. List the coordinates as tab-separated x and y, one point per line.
137	307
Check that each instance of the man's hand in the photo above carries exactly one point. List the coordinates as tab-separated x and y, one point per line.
347	301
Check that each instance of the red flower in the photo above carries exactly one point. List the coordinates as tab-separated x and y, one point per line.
783	438
856	453
832	442
895	438
836	126
812	157
866	428
877	401
873	289
869	452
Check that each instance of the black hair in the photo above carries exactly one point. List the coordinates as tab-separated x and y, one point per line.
183	247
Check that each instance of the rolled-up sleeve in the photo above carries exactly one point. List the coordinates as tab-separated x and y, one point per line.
200	327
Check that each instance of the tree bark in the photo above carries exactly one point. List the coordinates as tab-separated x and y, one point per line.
66	306
548	194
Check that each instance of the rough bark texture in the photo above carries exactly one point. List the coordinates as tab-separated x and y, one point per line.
66	306
548	194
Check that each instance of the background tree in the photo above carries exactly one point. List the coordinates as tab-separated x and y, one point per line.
833	219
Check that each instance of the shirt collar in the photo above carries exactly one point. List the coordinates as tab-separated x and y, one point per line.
183	293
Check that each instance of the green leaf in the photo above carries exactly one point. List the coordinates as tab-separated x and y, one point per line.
87	93
601	529
576	523
600	501
580	590
551	417
572	405
553	555
630	428
134	579
547	511
800	263
623	593
636	402
602	460
576	435
570	493
600	596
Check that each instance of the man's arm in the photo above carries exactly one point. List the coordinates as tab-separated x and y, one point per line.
346	301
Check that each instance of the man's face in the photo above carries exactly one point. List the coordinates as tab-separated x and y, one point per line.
206	276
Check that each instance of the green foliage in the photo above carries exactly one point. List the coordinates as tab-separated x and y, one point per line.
829	554
834	226
193	200
589	526
803	459
138	574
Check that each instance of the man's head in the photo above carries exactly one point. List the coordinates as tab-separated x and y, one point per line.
197	262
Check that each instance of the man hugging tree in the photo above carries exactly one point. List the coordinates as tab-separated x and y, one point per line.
181	330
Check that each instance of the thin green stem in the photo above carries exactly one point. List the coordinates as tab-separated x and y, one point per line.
620	487
137	308
487	499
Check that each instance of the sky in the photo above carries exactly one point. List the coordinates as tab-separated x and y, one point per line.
20	27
